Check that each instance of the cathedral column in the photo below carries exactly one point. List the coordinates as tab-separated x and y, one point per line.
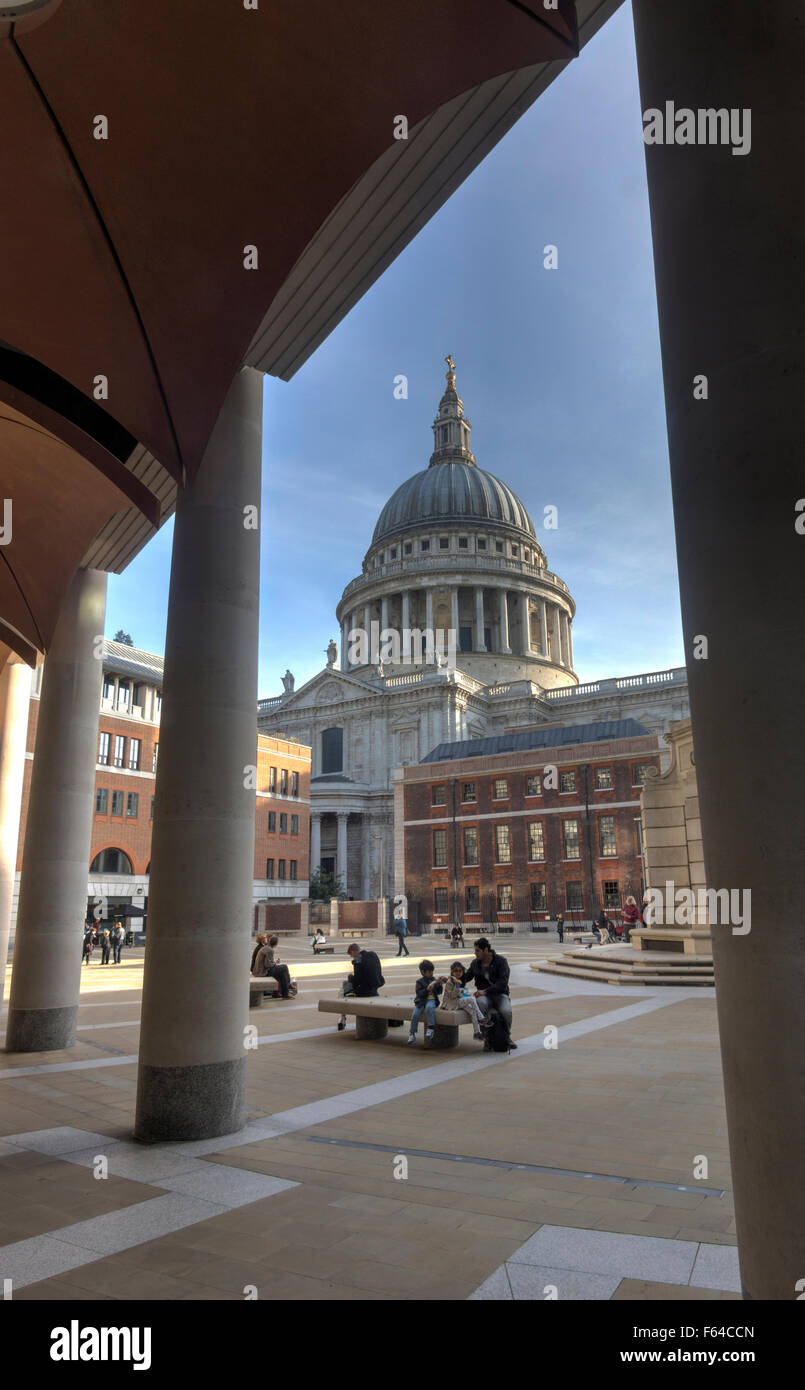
367	627
367	856
384	615
525	625
504	623
406	624
480	644
557	627
454	613
570	642
15	697
728	234
43	1006
543	630
341	848
192	1072
315	841
345	626
566	639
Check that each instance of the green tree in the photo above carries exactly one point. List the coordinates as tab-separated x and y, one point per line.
325	886
124	637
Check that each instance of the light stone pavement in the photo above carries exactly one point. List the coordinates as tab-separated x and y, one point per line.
566	1172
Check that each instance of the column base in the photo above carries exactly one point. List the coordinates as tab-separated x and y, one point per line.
193	1102
41	1030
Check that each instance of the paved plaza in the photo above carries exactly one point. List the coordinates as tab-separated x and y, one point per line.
569	1172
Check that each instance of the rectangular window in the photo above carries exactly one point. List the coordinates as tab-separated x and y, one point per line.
272	822
283	823
639	771
503	849
156	758
284	782
103	749
424	545
603	779
294	784
280	868
468	792
463	543
500	789
481	543
470	844
498	547
533	785
272	779
570	835
123	694
294	825
536	841
132	805
117	803
606	837
292	873
573	897
465	639
444	542
407	548
438	796
504	897
270	868
135	744
439	849
101	801
440	901
567	781
108	687
612	892
539	897
472	898
120	750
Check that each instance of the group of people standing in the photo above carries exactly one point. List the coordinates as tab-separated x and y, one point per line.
110	939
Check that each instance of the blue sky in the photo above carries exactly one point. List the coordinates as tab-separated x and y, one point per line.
559	372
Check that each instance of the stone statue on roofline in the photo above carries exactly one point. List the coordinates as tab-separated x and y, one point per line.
288	682
332	653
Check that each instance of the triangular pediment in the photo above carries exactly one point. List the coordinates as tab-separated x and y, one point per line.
325	688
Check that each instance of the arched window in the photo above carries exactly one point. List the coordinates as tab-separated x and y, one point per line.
111	861
332	750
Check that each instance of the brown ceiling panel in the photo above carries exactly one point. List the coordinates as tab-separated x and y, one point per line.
227	127
59	502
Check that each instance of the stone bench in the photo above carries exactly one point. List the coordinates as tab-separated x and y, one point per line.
323	950
372	1017
258	985
357	931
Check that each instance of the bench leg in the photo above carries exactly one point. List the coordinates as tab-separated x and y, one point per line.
444	1036
369	1029
255	999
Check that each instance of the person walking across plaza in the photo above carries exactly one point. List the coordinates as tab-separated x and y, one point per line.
560	926
489	976
457	996
401	923
426	997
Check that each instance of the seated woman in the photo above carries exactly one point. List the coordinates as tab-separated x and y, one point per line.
319	940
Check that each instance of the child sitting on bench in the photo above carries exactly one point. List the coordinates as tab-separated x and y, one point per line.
457	996
426	997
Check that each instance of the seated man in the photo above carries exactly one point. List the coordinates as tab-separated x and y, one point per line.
267	965
365	980
489	974
457	937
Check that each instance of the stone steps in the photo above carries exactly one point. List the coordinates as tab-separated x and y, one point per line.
634	964
576	970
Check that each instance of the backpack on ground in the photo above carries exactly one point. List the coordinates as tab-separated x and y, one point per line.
496	1032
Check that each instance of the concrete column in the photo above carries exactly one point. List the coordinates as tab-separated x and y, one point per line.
544	645
367	848
315	841
192	1071
45	982
728	232
557	628
504	623
341	849
480	644
15	697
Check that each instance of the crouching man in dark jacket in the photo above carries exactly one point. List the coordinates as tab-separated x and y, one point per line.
489	974
366	978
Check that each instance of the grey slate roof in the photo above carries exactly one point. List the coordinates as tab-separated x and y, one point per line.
551	737
131	661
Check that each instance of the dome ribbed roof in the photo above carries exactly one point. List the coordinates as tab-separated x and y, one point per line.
452	491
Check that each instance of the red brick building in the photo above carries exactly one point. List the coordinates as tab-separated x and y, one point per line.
125	779
515	828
